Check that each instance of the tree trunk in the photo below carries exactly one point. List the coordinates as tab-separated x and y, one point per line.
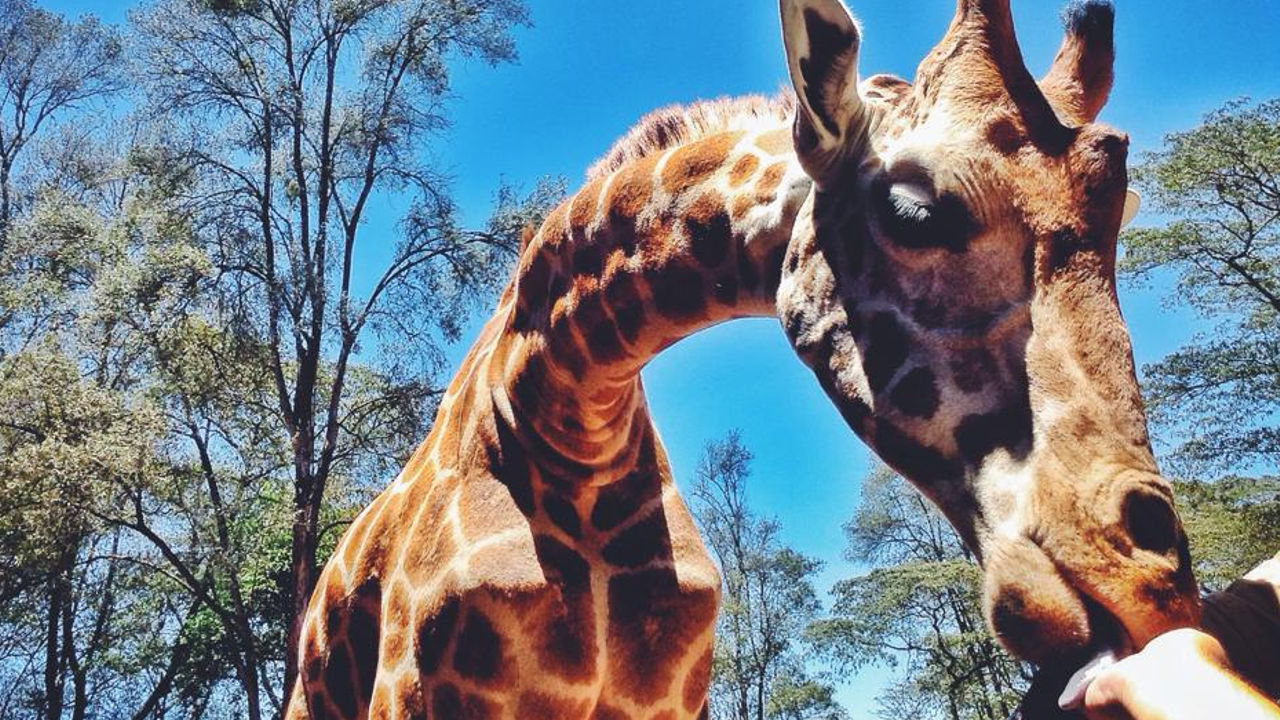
248	672
54	662
6	207
247	666
303	567
79	681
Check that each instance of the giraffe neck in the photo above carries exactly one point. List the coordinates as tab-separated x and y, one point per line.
667	245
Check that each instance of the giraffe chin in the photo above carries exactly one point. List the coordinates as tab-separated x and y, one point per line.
1040	618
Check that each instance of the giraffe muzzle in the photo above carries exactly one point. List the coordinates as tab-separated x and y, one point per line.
1059	685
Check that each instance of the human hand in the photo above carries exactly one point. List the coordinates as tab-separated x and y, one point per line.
1181	675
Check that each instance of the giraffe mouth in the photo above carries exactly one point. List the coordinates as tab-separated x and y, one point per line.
1058	689
1110	644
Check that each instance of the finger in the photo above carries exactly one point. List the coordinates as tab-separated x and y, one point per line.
1108	696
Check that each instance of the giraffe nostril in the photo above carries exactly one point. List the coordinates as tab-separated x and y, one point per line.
1151	522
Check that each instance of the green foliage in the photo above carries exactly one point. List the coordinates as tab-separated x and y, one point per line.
1232	524
62	441
918	609
800	698
1218	188
233	7
759	669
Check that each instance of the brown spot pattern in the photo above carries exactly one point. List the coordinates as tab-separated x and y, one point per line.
916	394
628	309
652	621
775	142
620	500
432	546
639	544
434	635
1005	136
979	435
338	680
693	163
508	464
971	369
587	260
742	170
532	290
363	636
696	684
478	653
604	712
583	207
563	514
767	185
565	347
632	189
409	699
677	292
710	234
886	351
747	272
536	706
725	289
911	458
448	702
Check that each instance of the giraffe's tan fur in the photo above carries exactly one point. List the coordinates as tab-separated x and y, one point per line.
534	560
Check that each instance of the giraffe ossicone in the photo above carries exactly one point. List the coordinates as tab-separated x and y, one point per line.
940	253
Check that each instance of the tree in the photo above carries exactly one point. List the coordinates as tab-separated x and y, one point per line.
48	66
103	279
758	670
61	443
200	297
919	606
1232	524
1218	186
295	118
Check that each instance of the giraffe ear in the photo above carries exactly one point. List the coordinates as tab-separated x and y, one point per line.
1080	79
822	42
1132	204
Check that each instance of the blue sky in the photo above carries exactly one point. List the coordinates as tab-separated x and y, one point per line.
589	69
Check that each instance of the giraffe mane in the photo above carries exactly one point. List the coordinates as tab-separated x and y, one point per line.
678	124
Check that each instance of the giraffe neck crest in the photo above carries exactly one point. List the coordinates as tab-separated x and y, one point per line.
676	125
665	245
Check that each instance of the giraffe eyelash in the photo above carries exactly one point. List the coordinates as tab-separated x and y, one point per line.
910	202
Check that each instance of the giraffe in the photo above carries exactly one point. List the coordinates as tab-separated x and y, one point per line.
534	558
951	283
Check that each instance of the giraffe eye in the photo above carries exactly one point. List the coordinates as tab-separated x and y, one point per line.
907	211
913	216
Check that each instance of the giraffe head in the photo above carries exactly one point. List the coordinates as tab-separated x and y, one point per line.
951	282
